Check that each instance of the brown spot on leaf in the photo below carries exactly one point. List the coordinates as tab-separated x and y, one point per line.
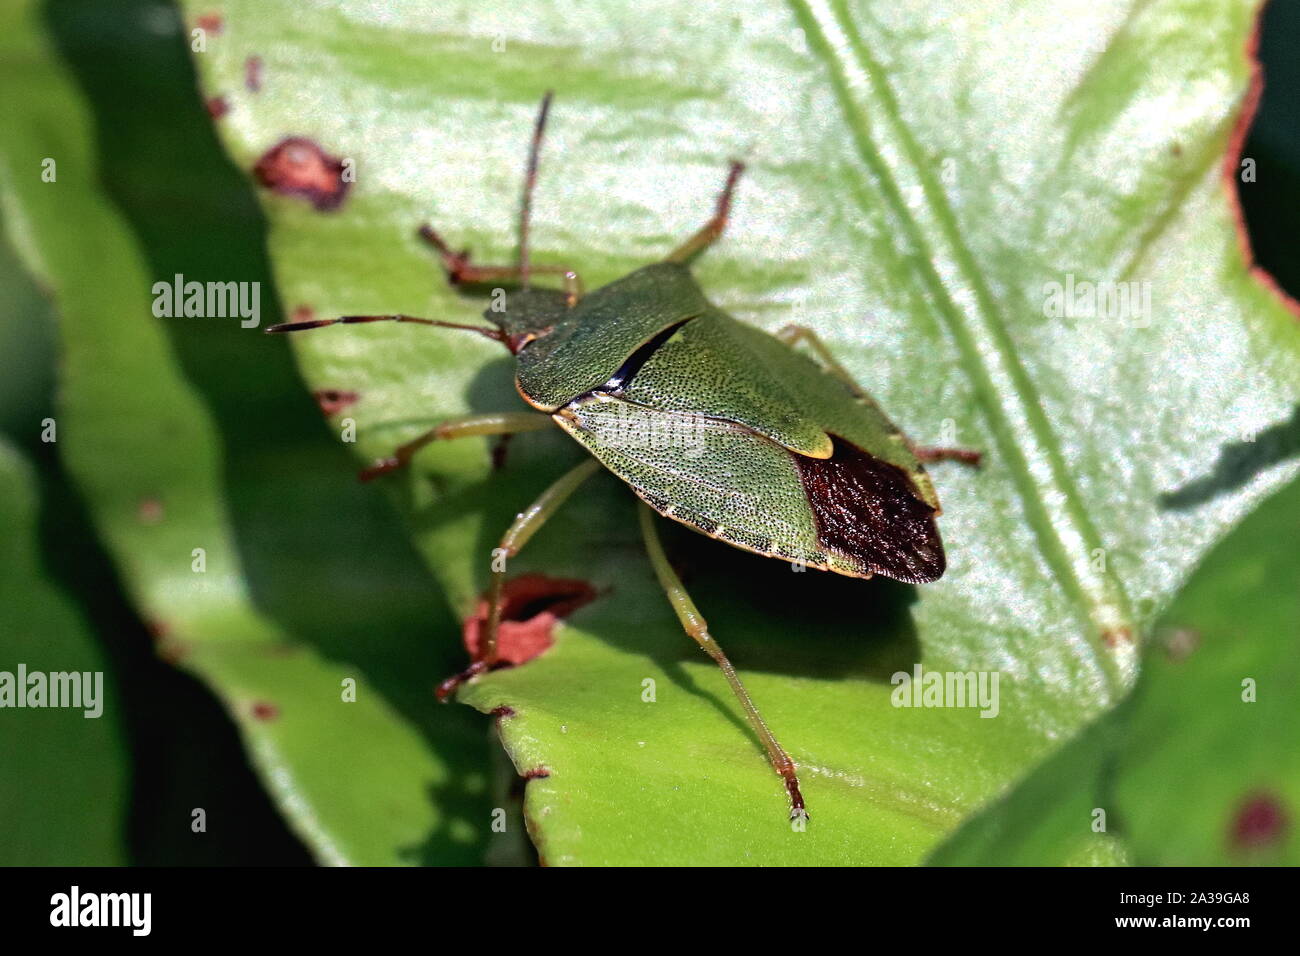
1117	637
533	604
333	400
296	166
253	74
537	773
171	649
302	313
264	710
505	710
1260	821
149	511
166	645
210	22
217	107
1180	643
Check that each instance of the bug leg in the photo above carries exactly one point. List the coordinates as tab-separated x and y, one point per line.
711	230
794	334
461	271
500	449
694	625
965	456
517	535
498	423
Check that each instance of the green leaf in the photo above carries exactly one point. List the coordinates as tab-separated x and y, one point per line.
918	177
169	462
1199	766
48	820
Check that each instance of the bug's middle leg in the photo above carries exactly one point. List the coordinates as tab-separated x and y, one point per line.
517	535
495	423
793	334
695	625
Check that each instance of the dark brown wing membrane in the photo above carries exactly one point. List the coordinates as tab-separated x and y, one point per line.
867	510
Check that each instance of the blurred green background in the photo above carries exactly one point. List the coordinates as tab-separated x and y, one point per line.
169	747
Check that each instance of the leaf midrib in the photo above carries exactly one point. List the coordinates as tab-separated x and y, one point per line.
1066	535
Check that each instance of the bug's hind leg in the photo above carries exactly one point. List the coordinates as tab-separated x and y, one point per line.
793	334
695	625
966	456
462	271
498	423
516	536
711	230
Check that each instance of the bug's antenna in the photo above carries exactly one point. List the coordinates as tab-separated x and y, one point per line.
530	181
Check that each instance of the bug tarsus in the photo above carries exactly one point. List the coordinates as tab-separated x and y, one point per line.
711	230
965	456
446	689
797	809
456	263
381	467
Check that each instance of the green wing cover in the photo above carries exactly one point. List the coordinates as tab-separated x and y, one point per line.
849	513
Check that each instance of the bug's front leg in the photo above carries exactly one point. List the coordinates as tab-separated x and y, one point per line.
708	234
495	423
694	624
461	271
793	334
524	526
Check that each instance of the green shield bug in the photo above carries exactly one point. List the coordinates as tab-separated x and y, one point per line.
714	423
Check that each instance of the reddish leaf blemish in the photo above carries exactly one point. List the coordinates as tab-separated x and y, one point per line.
505	710
166	645
209	22
1117	637
149	511
1181	643
333	400
253	74
264	710
537	773
533	604
1260	821
217	107
303	313
298	167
